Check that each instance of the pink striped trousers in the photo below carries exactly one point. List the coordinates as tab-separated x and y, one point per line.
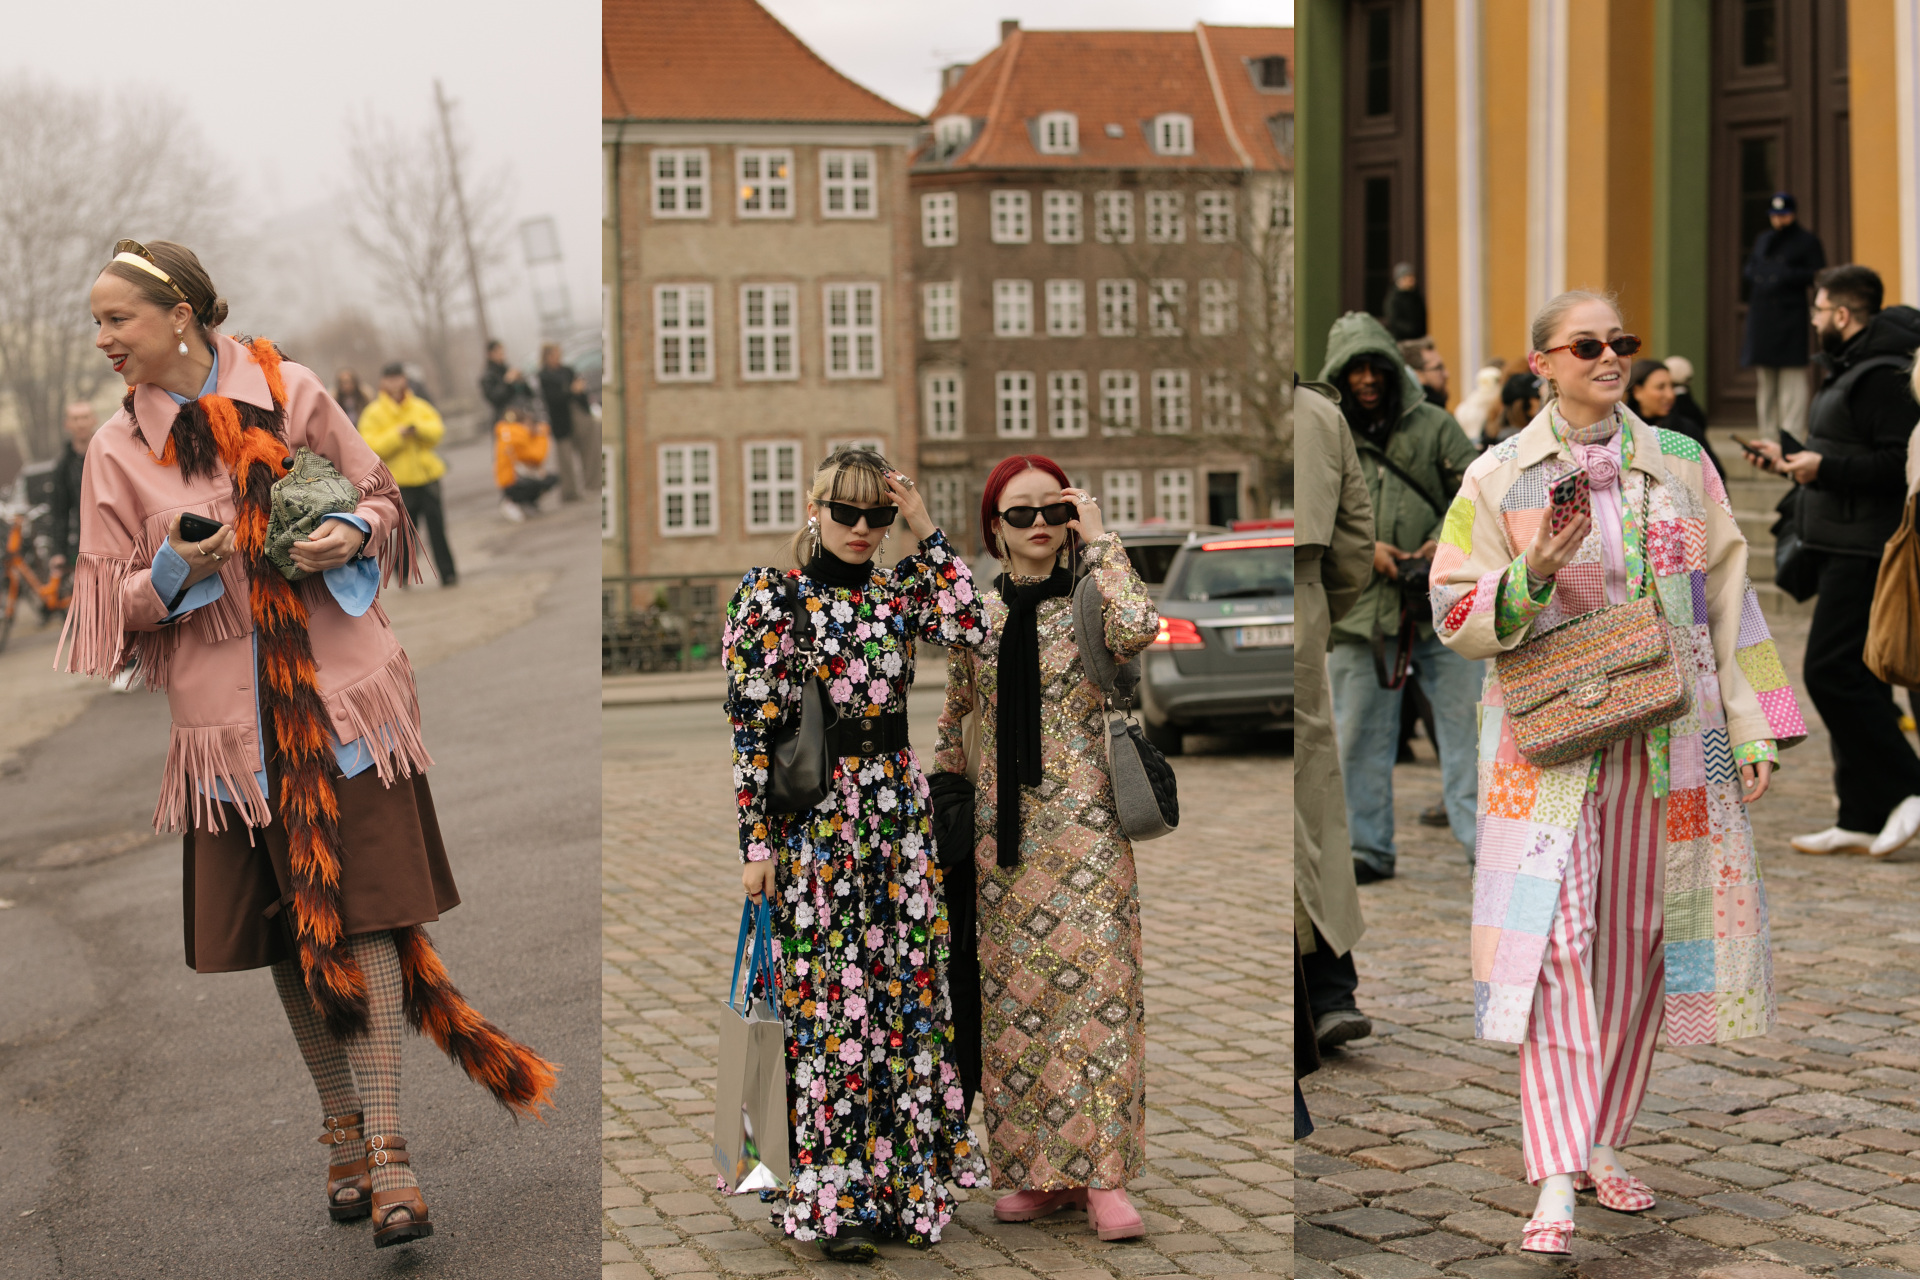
1597	1010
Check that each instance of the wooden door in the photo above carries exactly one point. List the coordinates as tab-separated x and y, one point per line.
1779	124
1381	200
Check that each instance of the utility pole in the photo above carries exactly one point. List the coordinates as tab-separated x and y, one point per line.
460	206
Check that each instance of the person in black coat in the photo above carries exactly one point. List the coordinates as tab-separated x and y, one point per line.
565	396
1785	261
1404	312
499	384
63	515
1852	495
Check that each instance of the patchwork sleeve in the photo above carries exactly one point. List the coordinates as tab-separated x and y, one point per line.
1760	704
1476	610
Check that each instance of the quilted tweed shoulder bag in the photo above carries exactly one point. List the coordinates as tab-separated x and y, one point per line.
1595	679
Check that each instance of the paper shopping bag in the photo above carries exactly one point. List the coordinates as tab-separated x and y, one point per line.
750	1117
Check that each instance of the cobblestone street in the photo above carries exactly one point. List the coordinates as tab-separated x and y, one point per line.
1216	1194
1793	1154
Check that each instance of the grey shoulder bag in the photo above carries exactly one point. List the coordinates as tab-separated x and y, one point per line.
1146	799
799	766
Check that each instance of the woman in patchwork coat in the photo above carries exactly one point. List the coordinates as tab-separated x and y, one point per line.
1621	889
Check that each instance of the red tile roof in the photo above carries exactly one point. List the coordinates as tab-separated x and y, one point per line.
1124	78
721	60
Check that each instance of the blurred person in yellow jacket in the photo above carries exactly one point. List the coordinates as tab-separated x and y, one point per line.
405	430
520	448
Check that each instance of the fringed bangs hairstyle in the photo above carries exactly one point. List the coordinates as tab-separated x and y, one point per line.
1548	319
998	480
182	265
858	476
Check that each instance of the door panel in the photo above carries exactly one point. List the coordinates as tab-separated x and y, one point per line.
1381	127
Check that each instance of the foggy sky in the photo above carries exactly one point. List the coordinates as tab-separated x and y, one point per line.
897	49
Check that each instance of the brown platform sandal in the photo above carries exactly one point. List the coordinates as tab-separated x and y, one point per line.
347	1177
383	1149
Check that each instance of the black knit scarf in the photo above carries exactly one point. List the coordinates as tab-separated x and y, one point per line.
829	570
1017	725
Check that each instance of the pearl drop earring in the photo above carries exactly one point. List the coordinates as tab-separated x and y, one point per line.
183	342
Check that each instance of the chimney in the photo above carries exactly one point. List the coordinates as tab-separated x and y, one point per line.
950	75
1007	27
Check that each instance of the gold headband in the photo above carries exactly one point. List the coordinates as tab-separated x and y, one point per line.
135	259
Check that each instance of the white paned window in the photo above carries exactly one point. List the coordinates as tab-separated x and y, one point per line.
1215	209
1118	318
941	388
766	184
939	219
1172	402
680	184
1119	402
1168	299
1062	216
1219	402
1166	224
1173	496
1013	404
1120	497
773	486
1113	217
940	309
609	513
767	331
1059	133
846	184
853	330
1011	222
1173	134
947	504
688	502
1012	308
1067	404
683	332
1066	308
1219	307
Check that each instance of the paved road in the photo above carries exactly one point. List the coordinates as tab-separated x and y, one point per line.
1217	1108
1793	1154
161	1124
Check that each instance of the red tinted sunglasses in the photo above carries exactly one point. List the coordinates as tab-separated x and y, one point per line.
1590	348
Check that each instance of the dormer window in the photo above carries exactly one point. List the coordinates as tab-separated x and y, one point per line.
1270	73
1059	133
951	134
1115	131
1173	134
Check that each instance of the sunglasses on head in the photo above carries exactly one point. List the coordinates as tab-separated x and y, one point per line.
1056	513
849	515
1590	348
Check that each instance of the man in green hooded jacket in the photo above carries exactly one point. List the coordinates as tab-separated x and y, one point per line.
1414	455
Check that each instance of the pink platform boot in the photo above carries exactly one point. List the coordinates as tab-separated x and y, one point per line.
1025	1206
1112	1216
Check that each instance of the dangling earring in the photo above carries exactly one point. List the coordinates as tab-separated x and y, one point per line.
183	341
813	531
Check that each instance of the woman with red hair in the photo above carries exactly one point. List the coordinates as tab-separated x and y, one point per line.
1063	1063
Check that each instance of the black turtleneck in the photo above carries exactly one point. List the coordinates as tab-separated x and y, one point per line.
830	570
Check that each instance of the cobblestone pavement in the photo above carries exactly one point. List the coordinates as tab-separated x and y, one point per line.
1215	1195
1793	1154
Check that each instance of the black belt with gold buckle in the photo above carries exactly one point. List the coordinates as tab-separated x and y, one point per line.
878	735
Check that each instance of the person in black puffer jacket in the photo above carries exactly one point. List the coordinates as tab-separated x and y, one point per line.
1852	474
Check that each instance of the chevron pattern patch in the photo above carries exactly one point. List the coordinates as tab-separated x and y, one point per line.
1719	757
1691	1017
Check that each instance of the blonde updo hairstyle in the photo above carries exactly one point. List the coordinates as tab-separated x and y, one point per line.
183	265
847	475
1548	319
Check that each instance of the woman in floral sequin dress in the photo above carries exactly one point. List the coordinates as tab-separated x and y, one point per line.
1063	1038
878	1128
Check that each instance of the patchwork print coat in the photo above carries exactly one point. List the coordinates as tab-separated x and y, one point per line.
1719	965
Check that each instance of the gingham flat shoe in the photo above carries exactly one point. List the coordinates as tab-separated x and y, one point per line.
1542	1235
1625	1194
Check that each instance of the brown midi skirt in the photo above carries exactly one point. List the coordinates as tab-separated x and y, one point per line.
393	873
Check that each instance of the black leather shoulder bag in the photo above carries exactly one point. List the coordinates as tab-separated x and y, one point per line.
799	762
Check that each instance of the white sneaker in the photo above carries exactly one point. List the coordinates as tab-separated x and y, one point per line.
1901	827
1833	840
511	510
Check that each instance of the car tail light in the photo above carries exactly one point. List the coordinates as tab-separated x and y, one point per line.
1241	544
1178	633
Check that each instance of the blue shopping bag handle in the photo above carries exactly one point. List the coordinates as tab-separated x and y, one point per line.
757	919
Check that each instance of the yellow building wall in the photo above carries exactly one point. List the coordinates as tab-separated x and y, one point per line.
1873	137
1504	27
1610	153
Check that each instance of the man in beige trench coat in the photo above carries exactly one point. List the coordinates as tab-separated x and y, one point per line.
1333	562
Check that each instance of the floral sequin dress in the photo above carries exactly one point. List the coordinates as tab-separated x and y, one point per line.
1063	1035
875	1095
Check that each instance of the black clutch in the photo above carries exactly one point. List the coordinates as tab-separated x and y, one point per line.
953	797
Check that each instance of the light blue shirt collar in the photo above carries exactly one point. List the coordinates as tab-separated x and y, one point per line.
213	377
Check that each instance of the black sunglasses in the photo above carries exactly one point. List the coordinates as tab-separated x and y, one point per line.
1590	348
1056	513
849	515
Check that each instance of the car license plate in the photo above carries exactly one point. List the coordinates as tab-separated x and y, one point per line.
1264	637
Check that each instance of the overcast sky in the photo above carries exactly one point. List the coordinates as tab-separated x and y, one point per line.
271	86
897	49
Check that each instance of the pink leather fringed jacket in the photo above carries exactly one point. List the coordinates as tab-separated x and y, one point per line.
205	660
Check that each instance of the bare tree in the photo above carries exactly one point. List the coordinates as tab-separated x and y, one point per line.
76	174
407	223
